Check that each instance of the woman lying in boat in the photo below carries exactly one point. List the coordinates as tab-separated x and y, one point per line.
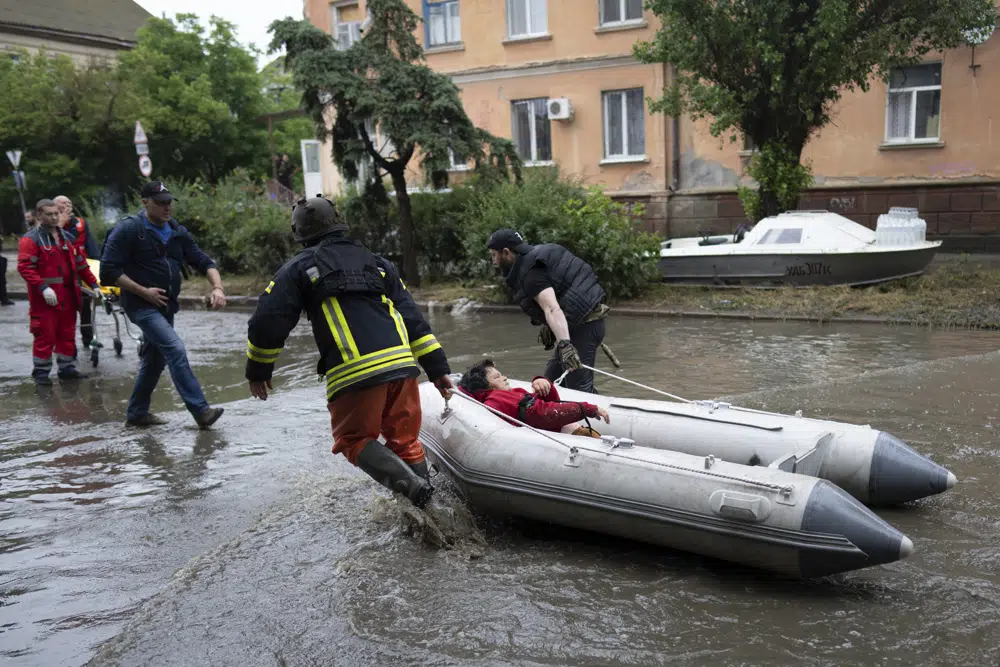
542	409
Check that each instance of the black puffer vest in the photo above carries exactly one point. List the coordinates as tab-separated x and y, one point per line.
574	282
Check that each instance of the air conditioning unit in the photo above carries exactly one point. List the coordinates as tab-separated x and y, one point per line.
560	109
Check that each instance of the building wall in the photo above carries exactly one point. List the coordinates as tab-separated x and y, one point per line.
79	53
851	150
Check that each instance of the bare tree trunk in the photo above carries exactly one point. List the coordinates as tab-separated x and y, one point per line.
411	274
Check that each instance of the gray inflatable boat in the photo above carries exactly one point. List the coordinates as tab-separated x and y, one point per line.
873	466
759	516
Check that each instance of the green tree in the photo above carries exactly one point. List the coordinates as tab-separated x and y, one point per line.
198	97
382	81
66	121
773	70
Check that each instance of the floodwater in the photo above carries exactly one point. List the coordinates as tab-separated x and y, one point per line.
252	545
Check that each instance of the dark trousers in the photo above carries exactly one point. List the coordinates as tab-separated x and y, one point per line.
86	320
586	338
3	280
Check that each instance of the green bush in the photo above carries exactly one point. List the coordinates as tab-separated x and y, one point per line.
547	209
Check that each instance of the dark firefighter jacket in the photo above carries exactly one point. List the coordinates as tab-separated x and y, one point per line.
365	323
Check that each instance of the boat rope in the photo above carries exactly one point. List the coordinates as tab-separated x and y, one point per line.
784	489
562	377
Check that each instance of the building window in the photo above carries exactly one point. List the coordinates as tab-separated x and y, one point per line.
624	124
530	127
526	18
456	163
614	12
346	23
442	23
913	106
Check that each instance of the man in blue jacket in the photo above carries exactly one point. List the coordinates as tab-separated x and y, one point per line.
143	256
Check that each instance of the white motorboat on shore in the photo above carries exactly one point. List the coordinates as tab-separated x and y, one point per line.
803	248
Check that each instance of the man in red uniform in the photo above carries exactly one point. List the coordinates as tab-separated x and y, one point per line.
52	269
78	231
542	409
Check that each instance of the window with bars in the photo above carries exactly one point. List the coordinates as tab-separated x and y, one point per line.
441	23
530	127
913	105
624	124
614	12
526	18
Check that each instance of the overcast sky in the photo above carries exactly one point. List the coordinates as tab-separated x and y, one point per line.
250	17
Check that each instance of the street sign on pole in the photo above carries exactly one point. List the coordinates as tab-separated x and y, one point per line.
145	165
142	149
15	158
140	134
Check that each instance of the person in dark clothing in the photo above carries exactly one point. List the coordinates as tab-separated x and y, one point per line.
143	256
371	337
4	299
560	293
542	408
285	171
78	231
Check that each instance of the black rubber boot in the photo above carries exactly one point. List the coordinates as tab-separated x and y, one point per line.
390	471
421	470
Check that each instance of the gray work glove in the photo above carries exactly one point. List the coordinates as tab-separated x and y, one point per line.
50	296
546	337
568	355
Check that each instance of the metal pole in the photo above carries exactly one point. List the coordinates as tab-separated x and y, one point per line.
24	210
270	140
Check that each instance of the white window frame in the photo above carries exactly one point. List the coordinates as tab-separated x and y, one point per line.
353	27
626	156
624	21
533	31
534	161
456	166
449	39
912	124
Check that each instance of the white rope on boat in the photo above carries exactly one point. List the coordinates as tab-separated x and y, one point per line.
624	379
781	488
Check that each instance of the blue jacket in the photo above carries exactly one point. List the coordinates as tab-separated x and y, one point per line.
138	253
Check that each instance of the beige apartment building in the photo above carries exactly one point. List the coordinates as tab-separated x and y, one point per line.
559	79
83	31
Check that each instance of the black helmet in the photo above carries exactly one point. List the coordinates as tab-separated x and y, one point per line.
314	218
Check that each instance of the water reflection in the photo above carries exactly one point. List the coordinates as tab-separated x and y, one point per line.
96	517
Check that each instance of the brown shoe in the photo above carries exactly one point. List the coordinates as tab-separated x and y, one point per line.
148	419
208	417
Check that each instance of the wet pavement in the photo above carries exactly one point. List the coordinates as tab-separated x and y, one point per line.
252	545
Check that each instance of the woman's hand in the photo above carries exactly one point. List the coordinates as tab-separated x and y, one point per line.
541	386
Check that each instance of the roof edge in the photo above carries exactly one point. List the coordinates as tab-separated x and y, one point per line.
66	35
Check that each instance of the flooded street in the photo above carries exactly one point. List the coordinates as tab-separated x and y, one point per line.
250	544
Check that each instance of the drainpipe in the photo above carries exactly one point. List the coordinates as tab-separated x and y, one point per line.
675	141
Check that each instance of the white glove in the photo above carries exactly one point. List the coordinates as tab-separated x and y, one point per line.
50	296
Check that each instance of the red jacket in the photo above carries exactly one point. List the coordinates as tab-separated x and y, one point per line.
43	262
549	413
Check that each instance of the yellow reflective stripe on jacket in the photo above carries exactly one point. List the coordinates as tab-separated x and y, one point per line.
400	326
424	345
349	338
338	327
267	290
337	372
390	364
261	354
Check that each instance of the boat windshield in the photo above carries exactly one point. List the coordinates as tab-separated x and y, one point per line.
782	235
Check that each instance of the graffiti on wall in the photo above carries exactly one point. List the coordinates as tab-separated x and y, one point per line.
842	203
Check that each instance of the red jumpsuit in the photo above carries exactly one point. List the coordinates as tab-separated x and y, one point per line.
44	262
549	413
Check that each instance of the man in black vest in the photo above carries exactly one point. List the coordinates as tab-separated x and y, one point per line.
559	291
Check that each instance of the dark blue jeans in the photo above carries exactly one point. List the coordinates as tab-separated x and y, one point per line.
162	347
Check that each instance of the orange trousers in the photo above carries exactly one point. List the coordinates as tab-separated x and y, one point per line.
391	409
